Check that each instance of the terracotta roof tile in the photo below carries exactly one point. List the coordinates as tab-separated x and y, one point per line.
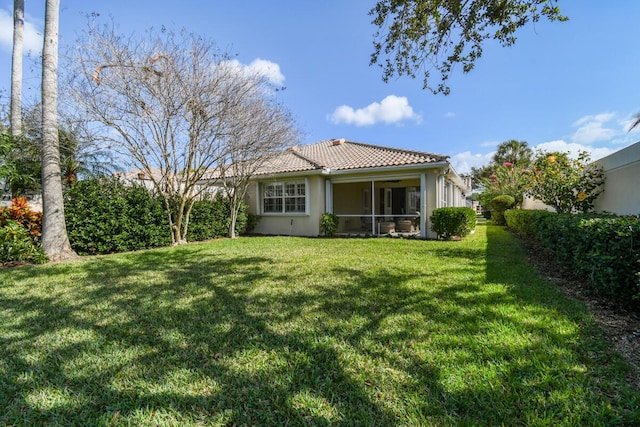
338	154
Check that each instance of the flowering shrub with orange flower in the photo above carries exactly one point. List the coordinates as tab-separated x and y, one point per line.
569	185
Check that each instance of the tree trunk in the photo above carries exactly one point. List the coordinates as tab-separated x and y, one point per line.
16	68
55	241
233	214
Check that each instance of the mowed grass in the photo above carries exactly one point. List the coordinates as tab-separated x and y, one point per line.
295	331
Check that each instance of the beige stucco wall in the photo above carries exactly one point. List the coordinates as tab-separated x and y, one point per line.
621	193
347	199
291	224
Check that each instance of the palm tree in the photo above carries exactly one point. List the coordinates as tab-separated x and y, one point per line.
80	158
16	68
55	241
636	122
514	152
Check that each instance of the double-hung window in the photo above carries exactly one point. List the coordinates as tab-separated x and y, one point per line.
284	197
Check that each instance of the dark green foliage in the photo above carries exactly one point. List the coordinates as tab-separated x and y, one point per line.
498	206
602	249
425	36
106	216
252	221
17	245
329	224
526	221
451	222
210	219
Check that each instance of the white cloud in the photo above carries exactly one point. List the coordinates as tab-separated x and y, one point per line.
573	149
592	129
392	109
463	162
261	67
268	69
449	115
32	37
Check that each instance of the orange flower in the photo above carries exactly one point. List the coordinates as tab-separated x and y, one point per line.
551	159
582	195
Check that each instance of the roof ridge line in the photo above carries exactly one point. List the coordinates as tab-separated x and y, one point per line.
402	150
307	159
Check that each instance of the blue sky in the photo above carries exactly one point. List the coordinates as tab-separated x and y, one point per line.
563	86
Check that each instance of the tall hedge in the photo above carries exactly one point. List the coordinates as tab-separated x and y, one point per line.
603	249
106	216
453	222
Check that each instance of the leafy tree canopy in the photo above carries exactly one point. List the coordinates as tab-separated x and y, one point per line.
569	185
426	36
513	152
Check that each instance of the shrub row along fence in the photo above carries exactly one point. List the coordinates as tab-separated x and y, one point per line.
603	249
106	216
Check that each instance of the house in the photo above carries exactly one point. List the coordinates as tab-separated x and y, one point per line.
621	193
372	189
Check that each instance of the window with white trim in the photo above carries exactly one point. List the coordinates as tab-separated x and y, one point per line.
284	197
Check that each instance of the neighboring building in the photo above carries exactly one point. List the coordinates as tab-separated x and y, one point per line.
372	189
140	177
621	193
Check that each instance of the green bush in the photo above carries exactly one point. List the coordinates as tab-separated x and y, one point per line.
16	244
525	221
451	222
106	216
498	206
252	222
210	219
329	224
602	249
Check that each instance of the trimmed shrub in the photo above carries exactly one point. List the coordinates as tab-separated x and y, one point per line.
498	206
106	216
211	218
451	222
526	221
601	248
329	224
252	222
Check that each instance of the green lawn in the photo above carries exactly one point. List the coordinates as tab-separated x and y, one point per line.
294	331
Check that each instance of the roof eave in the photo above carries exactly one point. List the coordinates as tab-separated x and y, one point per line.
413	166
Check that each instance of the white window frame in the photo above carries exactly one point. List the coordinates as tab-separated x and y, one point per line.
286	192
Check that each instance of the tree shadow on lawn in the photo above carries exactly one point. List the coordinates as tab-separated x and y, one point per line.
187	337
558	367
195	346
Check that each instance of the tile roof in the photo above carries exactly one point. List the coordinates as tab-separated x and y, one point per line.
338	154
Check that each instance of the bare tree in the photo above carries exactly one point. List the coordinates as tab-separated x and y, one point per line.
16	68
55	241
262	128
169	102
